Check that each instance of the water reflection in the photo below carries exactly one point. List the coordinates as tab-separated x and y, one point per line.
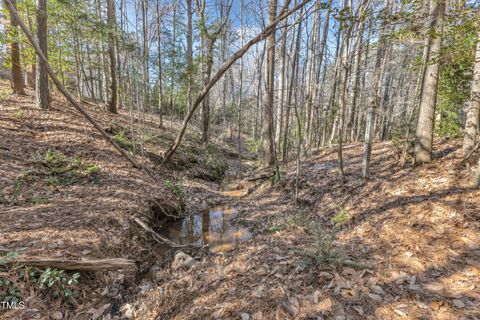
213	228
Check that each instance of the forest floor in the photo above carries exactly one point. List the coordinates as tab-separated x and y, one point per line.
403	245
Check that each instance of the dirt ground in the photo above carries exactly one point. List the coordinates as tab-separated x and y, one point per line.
403	245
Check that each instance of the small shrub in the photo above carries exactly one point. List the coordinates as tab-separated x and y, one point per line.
175	187
54	159
123	141
19	115
9	292
10	256
57	282
253	145
37	201
342	216
93	168
324	250
4	93
53	181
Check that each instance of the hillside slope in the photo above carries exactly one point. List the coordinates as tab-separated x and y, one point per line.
65	193
403	245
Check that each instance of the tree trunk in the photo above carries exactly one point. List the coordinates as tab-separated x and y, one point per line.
267	128
283	75
112	52
428	100
42	94
159	61
471	125
189	52
206	101
374	100
18	85
145	64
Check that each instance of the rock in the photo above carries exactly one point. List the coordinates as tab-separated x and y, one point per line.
244	316
458	303
127	311
57	315
183	260
146	286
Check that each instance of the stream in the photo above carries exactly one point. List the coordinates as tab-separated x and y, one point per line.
214	227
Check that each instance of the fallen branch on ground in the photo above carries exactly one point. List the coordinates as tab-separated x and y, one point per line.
81	265
266	175
158	237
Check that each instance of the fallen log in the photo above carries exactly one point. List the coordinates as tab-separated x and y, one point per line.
79	265
260	176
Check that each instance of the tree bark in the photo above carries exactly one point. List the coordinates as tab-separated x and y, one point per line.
374	100
112	52
267	126
18	84
160	73
428	99
42	93
189	52
471	125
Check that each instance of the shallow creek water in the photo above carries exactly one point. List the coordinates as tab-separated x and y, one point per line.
213	228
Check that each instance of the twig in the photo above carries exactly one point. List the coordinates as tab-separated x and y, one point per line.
158	237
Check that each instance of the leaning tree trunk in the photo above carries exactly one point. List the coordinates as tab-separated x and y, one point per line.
42	94
428	99
267	128
112	52
471	125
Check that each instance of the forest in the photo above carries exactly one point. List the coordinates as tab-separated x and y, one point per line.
240	159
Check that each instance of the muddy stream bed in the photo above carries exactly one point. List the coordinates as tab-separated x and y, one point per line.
215	227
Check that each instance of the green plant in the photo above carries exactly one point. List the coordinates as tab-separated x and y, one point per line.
10	256
323	251
175	187
57	163
123	141
253	145
53	181
342	216
93	168
4	93
60	284
9	292
19	115
38	201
